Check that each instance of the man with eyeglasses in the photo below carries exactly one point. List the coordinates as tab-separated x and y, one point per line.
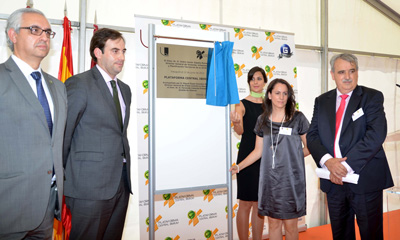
33	107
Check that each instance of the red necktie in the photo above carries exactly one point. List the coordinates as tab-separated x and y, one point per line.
339	115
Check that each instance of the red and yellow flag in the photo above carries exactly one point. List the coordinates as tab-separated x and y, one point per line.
66	67
65	71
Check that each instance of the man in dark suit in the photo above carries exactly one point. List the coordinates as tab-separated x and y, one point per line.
33	111
360	123
96	149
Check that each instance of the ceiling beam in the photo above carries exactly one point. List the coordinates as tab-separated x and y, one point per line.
385	10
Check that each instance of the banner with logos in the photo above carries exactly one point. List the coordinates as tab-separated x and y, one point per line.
203	214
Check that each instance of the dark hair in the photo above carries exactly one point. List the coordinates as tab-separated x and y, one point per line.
100	37
290	107
252	71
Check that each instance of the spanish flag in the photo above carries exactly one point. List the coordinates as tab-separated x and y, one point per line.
66	68
65	71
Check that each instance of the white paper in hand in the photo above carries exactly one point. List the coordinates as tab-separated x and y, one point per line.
350	178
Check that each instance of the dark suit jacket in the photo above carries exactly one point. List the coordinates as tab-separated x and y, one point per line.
94	145
360	140
27	151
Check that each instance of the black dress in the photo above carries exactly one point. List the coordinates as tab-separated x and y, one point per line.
248	178
282	192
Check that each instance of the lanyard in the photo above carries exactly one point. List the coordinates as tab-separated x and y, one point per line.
272	142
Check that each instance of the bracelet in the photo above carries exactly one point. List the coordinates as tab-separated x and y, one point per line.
237	165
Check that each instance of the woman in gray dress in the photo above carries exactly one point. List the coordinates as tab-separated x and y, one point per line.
281	144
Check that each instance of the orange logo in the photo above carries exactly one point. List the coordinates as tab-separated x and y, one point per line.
210	235
270	36
146	175
169	199
238	69
146	131
256	51
204	26
269	70
233	211
155	223
167	22
238	32
208	194
194	217
249	228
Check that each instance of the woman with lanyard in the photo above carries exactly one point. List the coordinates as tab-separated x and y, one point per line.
244	119
281	144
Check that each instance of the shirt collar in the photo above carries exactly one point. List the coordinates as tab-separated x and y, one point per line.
338	94
24	67
105	75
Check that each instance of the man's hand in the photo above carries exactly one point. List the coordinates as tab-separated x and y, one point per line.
336	169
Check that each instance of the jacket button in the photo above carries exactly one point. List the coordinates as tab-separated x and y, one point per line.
49	172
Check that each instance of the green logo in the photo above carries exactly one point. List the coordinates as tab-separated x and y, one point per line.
146	129
166	196
168	238
297	106
236	67
253	49
237	30
295	70
206	192
238	145
268	33
203	26
226	209
191	214
164	22
145	84
207	234
147	221
267	69
146	174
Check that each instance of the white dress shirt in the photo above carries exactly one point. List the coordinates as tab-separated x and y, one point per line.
27	70
108	79
337	148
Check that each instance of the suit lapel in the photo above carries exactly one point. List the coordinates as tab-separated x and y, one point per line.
351	107
26	90
105	92
331	108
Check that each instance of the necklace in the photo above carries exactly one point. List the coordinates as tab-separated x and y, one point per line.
272	142
257	95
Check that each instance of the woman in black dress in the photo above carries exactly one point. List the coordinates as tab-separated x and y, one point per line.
244	119
281	142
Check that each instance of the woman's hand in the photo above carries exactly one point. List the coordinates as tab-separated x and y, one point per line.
235	118
234	169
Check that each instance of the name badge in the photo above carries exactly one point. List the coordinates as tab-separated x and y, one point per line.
357	114
285	131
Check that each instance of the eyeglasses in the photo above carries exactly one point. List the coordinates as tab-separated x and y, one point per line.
37	31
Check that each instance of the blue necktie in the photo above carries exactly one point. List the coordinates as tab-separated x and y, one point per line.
42	99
